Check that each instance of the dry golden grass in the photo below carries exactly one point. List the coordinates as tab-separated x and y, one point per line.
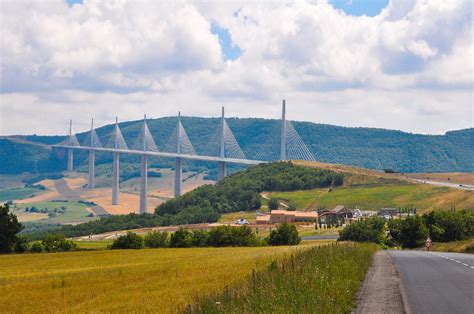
464	246
453	177
155	280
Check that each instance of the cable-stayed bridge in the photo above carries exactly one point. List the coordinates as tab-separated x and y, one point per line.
178	147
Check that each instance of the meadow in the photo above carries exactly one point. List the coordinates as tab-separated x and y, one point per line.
126	280
424	197
463	246
74	212
17	193
319	280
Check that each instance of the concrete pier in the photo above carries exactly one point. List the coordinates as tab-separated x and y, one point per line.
116	179
144	185
91	184
178	177
283	132
221	165
70	160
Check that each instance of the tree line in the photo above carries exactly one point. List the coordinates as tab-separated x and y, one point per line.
412	231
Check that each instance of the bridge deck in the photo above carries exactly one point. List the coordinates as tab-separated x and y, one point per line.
165	154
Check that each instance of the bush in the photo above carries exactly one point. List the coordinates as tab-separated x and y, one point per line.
181	238
285	234
232	236
200	238
367	230
450	226
21	244
57	243
273	204
129	241
37	247
412	232
156	239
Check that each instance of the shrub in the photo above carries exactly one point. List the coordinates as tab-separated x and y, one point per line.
413	232
273	204
200	238
450	226
156	239
181	238
232	236
37	247
21	244
285	234
367	230
57	243
128	241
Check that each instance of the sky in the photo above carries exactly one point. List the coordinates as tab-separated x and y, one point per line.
405	65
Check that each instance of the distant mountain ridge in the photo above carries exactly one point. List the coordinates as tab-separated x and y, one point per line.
259	138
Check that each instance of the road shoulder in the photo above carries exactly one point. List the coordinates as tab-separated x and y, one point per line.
381	291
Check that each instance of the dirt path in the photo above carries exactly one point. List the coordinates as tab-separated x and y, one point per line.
381	291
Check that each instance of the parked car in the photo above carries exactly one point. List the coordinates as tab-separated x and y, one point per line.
242	221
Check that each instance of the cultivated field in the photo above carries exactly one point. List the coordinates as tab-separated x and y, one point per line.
423	197
163	280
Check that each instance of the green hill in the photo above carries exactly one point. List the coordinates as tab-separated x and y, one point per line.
364	147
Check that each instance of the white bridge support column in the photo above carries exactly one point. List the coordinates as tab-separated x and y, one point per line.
91	184
70	160
178	173
221	165
115	184
178	170
144	185
116	168
283	132
144	174
70	156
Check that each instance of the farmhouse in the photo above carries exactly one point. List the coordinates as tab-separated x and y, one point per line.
281	216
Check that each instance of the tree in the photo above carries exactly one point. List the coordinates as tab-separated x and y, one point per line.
200	238
413	232
156	239
181	238
285	234
273	204
9	227
129	241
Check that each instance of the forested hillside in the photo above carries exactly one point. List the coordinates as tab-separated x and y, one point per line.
364	147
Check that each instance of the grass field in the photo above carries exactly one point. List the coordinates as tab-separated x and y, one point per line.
322	280
232	217
18	193
163	280
423	197
74	212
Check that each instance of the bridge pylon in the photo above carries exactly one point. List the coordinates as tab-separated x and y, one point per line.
221	165
144	171
91	184
178	170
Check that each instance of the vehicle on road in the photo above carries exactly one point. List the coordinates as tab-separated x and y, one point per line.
242	221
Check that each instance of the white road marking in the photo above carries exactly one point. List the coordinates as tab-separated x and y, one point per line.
451	259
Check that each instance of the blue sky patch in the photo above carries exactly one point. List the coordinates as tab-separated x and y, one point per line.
229	50
71	2
360	7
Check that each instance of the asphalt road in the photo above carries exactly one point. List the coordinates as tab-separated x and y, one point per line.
436	282
448	184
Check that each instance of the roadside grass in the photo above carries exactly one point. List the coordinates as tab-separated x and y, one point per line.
464	246
424	197
18	193
322	279
126	280
74	212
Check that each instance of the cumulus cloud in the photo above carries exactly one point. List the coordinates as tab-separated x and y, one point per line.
413	61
